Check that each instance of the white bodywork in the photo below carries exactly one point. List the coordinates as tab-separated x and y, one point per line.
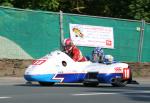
52	64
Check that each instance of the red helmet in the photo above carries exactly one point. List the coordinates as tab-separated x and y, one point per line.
68	41
68	44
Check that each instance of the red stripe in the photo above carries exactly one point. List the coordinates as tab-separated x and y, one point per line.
126	73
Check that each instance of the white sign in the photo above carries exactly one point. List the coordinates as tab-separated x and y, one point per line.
92	36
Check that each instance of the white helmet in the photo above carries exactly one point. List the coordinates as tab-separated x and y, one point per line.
109	58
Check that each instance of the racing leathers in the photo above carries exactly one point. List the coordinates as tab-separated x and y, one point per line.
75	54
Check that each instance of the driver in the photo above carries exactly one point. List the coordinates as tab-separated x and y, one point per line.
73	51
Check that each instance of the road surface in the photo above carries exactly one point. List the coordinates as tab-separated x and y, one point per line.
14	90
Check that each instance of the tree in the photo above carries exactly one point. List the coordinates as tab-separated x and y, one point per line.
6	3
49	5
72	6
140	9
127	9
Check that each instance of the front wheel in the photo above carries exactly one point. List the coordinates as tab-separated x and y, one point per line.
90	84
46	83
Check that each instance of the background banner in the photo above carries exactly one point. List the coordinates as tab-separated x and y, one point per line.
92	36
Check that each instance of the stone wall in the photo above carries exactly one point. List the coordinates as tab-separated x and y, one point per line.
13	67
16	67
140	69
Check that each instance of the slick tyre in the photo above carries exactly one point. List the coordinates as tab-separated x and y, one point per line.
46	83
90	84
119	83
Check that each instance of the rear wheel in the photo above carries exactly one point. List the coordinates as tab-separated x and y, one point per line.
46	83
119	82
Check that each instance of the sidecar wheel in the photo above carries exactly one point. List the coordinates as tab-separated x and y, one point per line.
46	83
119	83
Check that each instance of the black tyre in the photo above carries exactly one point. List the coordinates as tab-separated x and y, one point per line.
119	83
90	84
46	83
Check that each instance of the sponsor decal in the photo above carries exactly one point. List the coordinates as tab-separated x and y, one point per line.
38	62
108	42
77	32
126	73
58	77
118	70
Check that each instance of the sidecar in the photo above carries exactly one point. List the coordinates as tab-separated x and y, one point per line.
58	67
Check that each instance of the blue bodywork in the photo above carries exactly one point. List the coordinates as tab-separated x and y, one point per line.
70	78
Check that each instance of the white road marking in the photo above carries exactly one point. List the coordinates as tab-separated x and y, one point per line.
84	94
148	91
135	91
5	97
103	93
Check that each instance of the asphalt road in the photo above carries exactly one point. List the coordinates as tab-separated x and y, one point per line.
16	91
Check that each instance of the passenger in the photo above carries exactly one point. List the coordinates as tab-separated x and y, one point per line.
99	57
108	59
73	51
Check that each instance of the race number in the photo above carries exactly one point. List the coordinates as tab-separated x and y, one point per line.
126	73
38	62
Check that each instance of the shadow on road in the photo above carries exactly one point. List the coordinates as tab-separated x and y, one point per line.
132	92
67	85
138	96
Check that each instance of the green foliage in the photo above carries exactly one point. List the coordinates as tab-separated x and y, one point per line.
110	8
6	3
50	5
128	9
72	6
140	9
